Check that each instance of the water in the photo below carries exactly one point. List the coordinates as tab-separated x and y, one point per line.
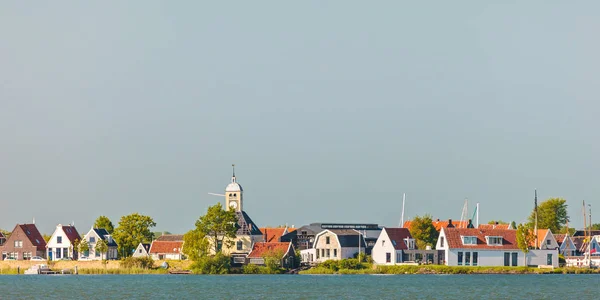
300	287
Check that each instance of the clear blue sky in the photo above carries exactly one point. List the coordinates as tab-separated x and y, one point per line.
330	109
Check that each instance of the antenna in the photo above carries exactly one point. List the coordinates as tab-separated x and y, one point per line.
402	216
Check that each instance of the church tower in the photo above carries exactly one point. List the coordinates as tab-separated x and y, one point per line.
233	194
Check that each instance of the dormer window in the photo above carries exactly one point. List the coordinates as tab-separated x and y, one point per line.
59	239
494	240
469	240
382	243
410	243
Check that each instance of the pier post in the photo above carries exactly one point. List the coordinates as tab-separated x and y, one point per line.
18	270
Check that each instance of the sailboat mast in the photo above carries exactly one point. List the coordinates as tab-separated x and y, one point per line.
535	230
402	216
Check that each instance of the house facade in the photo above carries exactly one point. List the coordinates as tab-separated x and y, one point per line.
92	237
337	244
389	247
24	242
566	246
167	247
545	240
283	251
494	247
142	250
62	243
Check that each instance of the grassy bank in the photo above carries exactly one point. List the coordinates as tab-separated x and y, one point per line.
94	267
441	269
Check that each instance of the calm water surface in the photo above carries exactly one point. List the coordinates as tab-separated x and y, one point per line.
300	287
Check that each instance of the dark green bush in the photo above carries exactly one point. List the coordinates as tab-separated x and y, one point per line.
137	262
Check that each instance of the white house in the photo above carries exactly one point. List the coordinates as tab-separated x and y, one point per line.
92	238
390	244
545	240
168	246
566	245
337	244
494	247
61	243
142	250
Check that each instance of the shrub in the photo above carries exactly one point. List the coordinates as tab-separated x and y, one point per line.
218	264
137	262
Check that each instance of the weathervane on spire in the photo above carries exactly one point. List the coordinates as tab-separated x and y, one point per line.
233	168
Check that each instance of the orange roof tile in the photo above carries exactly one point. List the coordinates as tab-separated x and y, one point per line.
272	234
160	247
541	233
261	249
439	224
453	236
494	226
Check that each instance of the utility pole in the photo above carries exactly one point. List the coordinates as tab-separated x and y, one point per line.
535	230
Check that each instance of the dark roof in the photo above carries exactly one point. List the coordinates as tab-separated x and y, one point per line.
245	225
102	233
586	232
33	235
170	238
146	247
311	229
71	233
397	236
349	238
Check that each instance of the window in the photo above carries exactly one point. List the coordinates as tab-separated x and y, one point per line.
398	257
506	259
58	253
382	243
219	245
467	258
240	245
322	252
27	255
469	240
18	244
410	243
388	257
494	240
334	252
59	239
303	232
441	241
548	242
515	255
460	258
475	258
92	239
140	251
549	259
327	240
328	252
317	254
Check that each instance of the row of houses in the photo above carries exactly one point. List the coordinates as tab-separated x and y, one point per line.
26	242
459	243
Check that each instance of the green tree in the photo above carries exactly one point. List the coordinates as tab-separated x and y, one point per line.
596	226
84	247
552	214
102	248
218	226
525	237
513	225
195	245
132	230
104	222
5	233
499	222
423	231
46	237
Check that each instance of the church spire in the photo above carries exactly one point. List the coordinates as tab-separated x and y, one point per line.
233	173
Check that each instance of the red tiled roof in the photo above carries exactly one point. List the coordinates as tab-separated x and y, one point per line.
560	238
161	247
494	226
34	236
439	224
454	240
397	235
541	233
272	234
261	249
71	233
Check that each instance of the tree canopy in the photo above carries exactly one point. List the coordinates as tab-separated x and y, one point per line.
423	231
552	214
596	226
101	247
83	246
498	222
195	245
525	237
132	230
104	222
218	226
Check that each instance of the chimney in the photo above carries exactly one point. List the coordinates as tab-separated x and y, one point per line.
450	225
437	220
265	235
470	225
496	223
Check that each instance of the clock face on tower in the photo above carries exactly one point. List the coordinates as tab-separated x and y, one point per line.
233	204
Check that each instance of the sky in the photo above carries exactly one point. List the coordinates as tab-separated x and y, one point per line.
331	110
